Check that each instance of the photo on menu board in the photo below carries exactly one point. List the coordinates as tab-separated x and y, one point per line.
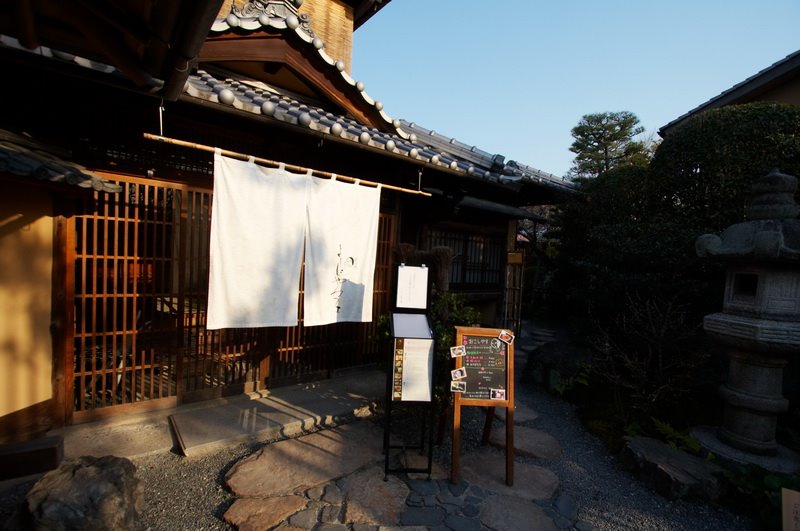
458	387
506	336
457	352
458	374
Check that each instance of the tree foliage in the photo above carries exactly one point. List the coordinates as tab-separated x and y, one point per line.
702	172
604	141
627	258
634	228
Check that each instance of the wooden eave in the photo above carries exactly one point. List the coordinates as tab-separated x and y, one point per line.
302	60
151	42
363	10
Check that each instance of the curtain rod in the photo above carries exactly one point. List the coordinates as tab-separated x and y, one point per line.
293	167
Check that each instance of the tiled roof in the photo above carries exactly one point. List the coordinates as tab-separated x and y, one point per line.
44	51
417	143
421	145
20	155
407	138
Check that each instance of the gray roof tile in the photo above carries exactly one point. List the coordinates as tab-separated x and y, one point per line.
25	157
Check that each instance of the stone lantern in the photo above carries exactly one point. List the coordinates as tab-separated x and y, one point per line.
760	319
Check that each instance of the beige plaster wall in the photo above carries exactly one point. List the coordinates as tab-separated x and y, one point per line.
331	21
26	259
786	93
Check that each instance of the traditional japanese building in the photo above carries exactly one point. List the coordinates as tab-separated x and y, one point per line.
110	118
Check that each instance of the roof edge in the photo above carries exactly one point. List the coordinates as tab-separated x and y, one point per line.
777	71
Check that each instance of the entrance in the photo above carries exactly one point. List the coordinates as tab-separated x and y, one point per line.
141	276
140	290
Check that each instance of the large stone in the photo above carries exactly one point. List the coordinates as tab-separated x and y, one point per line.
371	500
87	493
295	465
488	470
257	514
528	442
672	473
514	514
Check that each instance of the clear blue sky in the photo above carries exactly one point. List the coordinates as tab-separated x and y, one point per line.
514	77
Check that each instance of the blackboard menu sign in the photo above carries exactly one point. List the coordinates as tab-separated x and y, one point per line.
484	367
483	376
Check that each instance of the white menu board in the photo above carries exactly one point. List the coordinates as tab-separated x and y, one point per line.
413	370
413	325
412	287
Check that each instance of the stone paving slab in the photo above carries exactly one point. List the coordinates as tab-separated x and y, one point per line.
370	498
522	414
283	413
334	480
257	514
488	470
412	459
294	465
528	442
514	514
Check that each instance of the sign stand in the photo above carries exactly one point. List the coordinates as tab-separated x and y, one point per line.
411	377
484	376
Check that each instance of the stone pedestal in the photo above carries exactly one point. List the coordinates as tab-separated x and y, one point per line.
784	461
753	400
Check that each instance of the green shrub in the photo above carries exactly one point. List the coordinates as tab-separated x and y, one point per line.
702	172
759	492
447	310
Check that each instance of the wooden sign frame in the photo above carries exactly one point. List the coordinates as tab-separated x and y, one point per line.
479	346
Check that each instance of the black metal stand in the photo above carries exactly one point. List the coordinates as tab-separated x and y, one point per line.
427	429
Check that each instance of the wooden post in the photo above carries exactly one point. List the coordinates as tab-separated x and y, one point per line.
455	465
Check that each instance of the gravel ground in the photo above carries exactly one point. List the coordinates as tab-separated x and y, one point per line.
187	494
608	497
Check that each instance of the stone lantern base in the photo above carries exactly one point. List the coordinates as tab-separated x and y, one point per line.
784	461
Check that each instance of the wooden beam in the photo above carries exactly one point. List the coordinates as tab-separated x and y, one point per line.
26	24
109	43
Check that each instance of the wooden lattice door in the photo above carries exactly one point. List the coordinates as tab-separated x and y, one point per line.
140	285
125	341
140	289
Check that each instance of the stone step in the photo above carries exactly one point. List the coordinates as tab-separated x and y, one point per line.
522	414
528	442
488	471
672	473
514	514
